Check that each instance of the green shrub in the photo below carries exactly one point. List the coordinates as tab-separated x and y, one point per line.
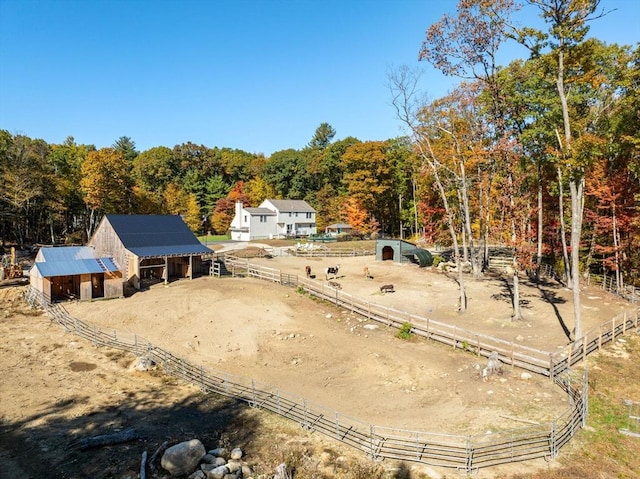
405	331
437	259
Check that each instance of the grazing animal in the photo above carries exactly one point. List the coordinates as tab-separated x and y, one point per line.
387	288
307	269
335	285
331	270
494	366
367	275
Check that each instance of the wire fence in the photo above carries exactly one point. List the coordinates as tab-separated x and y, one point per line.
466	453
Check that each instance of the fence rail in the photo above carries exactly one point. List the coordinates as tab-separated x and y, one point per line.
330	253
610	284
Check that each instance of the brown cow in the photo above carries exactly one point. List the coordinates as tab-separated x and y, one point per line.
307	270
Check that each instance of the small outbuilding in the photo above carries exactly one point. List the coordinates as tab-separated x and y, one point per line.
402	251
73	272
149	247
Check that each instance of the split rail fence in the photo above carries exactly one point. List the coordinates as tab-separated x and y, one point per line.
530	359
466	453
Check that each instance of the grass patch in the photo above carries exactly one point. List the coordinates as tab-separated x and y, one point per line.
405	332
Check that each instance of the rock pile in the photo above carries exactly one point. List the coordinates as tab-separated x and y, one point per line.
191	458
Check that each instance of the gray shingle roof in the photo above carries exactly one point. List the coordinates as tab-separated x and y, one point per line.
292	205
260	211
156	235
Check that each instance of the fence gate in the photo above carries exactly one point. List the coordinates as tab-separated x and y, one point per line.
633	422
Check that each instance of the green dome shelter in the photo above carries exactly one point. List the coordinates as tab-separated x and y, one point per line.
402	251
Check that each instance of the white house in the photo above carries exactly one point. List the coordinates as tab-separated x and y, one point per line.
273	219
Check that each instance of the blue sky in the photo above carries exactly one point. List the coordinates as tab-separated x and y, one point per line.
255	75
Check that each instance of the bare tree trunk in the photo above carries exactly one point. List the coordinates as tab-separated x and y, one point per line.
563	232
467	222
616	246
540	220
577	204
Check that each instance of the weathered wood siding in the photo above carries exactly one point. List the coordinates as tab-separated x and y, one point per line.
107	244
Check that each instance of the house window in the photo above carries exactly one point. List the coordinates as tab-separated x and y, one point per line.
263	218
245	218
289	214
296	214
309	216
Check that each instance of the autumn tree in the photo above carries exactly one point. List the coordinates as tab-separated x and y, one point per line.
65	204
369	177
154	169
22	175
106	185
225	208
567	22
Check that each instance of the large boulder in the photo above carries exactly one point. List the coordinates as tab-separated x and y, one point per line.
183	458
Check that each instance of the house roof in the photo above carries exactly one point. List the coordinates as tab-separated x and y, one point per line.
156	235
291	205
260	211
72	260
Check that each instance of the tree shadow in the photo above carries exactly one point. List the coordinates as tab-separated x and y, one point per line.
553	299
46	444
506	294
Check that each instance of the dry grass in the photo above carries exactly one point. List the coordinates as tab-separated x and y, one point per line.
600	451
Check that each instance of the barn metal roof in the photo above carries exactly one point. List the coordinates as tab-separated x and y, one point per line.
156	235
71	260
66	253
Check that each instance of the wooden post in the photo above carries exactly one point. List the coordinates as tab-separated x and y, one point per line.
599	337
512	361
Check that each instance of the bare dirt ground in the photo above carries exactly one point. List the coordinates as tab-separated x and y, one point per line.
56	387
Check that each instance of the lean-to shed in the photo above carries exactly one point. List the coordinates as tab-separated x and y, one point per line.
154	247
73	272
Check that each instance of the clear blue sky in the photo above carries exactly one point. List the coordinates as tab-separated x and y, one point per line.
255	75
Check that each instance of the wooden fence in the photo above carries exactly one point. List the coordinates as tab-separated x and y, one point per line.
610	284
466	453
531	359
330	253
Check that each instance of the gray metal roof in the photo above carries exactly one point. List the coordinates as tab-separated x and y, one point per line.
156	235
292	205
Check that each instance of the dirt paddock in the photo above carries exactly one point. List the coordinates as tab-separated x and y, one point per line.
278	337
286	340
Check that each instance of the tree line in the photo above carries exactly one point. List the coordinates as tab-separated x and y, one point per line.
541	155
